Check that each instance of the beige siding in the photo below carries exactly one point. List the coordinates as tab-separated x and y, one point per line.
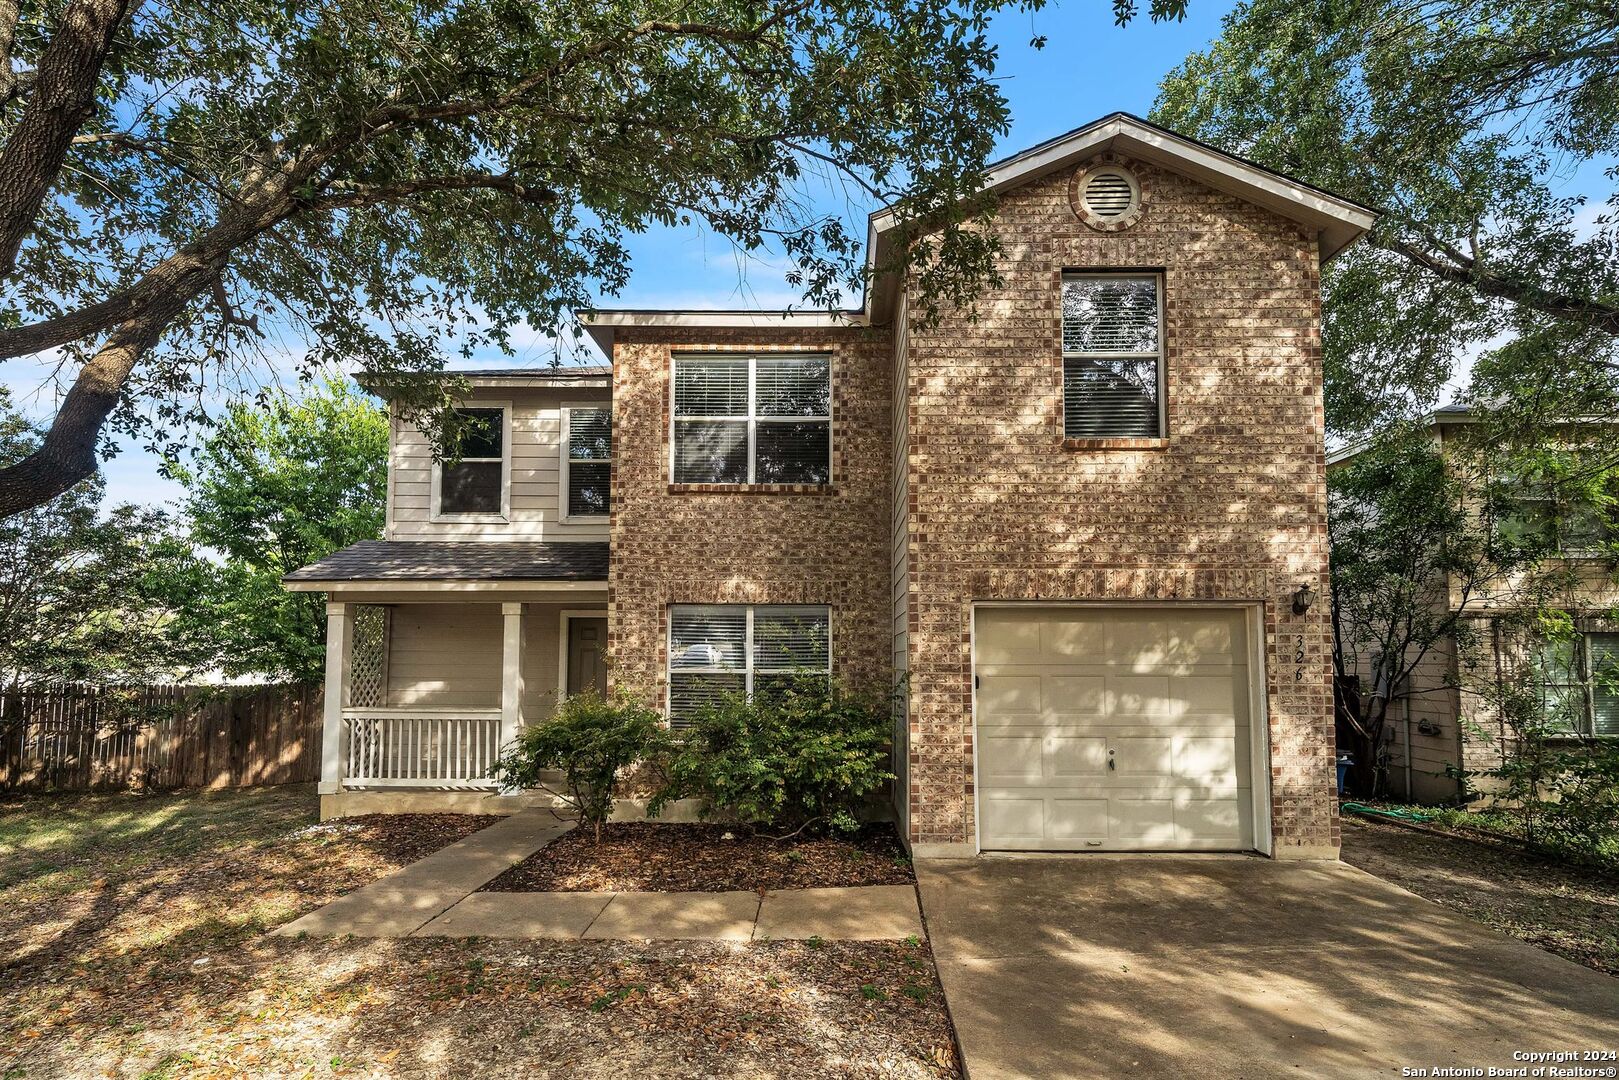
444	656
536	461
899	552
449	655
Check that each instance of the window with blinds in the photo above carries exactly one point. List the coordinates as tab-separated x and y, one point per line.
472	466
1112	348
588	461
752	420
717	650
1579	684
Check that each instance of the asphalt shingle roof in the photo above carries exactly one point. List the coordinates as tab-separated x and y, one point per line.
458	560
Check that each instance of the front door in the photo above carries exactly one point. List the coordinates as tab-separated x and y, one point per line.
587	655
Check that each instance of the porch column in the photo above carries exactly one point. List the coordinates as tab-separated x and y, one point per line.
334	737
511	672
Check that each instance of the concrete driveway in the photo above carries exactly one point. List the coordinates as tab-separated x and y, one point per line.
1237	967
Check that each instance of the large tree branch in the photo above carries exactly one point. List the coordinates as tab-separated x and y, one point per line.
1465	271
63	99
68	453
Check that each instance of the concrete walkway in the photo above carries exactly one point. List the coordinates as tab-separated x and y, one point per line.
1236	967
438	897
406	900
866	913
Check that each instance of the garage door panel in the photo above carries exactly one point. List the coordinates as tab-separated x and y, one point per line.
1003	638
1159	693
1075	637
1137	757
1146	822
1205	758
1003	694
1067	697
1004	757
1016	819
1077	756
1077	820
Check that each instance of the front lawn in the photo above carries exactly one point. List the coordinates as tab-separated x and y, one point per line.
131	930
652	857
1565	908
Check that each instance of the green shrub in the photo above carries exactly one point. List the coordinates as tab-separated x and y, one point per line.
590	740
1582	818
806	753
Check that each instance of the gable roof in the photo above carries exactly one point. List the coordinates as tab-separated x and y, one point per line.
1338	221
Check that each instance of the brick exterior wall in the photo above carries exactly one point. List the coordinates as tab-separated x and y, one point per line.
706	544
1231	506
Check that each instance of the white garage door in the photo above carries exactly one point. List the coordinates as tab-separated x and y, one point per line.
1119	729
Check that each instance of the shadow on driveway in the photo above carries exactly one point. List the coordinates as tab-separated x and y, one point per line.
1227	967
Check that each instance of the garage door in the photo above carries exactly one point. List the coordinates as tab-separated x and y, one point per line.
1121	729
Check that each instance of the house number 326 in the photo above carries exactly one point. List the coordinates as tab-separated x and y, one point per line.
1298	659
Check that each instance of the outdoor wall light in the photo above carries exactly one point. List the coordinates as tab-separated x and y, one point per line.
1303	597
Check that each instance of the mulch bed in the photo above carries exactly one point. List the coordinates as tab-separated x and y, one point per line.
1565	908
650	857
401	838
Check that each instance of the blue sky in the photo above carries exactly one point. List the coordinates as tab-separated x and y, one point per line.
1088	68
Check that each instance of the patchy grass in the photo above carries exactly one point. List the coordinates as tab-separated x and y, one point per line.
130	947
653	857
1566	908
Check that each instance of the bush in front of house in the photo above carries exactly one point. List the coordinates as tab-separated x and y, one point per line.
804	753
590	740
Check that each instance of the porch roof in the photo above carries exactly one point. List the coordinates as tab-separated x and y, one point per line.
453	561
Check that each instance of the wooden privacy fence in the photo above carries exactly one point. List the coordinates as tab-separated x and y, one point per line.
81	738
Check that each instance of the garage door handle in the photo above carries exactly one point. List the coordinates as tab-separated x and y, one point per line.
1111	764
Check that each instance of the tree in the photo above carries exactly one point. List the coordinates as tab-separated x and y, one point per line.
1415	552
79	589
273	488
1456	119
391	180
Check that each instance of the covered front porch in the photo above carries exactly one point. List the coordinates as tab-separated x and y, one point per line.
428	677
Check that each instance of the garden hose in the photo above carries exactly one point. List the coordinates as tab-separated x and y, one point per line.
1397	813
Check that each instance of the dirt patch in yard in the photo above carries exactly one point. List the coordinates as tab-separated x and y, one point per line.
649	857
1564	908
400	839
131	945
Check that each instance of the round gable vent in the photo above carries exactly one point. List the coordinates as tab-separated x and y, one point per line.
1106	196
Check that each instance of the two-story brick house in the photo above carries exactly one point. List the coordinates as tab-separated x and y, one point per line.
1076	522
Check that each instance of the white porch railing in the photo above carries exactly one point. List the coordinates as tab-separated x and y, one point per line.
421	747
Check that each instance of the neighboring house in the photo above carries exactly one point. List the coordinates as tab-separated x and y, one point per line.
1074	523
1443	723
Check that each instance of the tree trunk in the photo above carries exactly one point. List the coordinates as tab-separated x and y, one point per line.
68	454
63	98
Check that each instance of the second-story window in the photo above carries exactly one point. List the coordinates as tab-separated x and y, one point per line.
588	461
752	420
472	473
1112	356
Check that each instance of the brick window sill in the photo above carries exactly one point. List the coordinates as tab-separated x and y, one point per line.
1115	444
753	489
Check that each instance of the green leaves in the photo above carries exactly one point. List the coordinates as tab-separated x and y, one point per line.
273	488
1461	122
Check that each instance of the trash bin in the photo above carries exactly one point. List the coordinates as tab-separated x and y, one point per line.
1344	761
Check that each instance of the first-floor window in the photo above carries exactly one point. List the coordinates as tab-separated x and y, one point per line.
721	649
1579	683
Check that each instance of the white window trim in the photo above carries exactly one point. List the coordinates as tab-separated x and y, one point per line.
566	616
1158	354
752	416
563	513
438	515
748	670
1585	683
